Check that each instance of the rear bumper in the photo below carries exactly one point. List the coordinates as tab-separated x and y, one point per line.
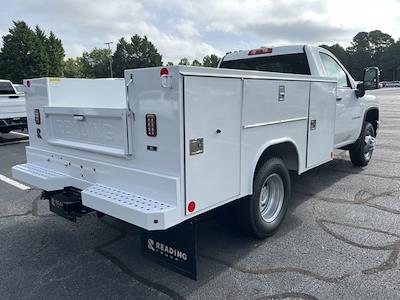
138	210
9	124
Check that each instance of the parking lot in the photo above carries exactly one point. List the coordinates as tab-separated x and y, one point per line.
340	240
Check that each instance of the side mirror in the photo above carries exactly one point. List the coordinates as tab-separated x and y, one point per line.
371	78
370	81
360	91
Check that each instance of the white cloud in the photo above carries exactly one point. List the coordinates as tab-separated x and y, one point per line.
74	50
83	25
187	29
195	28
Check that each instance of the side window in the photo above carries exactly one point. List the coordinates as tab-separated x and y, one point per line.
333	69
6	88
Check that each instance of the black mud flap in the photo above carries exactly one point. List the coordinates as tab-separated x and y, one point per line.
176	248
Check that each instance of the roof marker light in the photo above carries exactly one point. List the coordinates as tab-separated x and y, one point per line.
263	50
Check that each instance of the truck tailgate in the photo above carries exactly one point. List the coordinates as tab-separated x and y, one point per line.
101	130
12	106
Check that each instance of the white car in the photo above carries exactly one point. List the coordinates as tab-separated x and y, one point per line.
12	108
392	84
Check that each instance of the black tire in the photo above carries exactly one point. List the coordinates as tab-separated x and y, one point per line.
248	214
359	155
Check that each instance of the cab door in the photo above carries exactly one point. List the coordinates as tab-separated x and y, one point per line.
348	109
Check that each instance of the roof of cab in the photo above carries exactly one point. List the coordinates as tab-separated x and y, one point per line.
279	50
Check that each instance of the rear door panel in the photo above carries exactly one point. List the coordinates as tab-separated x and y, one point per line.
93	129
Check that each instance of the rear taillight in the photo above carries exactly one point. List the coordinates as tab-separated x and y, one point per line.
164	72
151	125
260	51
37	116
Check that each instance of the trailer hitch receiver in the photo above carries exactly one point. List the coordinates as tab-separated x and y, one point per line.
66	203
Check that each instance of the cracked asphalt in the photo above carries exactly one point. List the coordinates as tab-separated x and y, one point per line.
340	240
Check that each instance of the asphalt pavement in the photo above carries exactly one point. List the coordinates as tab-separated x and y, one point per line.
340	240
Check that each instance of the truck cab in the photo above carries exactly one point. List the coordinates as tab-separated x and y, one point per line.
12	108
352	109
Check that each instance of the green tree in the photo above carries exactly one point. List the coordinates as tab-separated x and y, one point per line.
138	53
367	49
360	43
40	48
122	57
55	55
25	53
390	62
360	55
184	62
72	68
21	55
379	42
196	63
210	61
95	64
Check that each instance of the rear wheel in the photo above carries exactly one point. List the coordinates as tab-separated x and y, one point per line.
261	213
361	151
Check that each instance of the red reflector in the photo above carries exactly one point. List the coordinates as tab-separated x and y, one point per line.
260	51
37	115
151	125
191	206
164	71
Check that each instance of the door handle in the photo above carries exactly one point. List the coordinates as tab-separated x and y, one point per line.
79	117
338	98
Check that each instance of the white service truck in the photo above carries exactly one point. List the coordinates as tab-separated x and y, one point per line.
170	143
12	107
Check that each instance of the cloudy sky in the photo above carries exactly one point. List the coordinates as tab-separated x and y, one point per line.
194	28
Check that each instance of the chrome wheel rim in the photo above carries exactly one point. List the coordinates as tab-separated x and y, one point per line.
271	197
367	150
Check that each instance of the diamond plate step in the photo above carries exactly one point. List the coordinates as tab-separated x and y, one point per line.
46	179
135	209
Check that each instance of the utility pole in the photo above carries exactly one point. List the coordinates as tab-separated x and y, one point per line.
110	58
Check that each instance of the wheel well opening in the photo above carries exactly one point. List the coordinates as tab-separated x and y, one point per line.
373	117
285	151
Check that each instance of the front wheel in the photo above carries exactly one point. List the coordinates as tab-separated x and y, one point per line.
361	151
261	213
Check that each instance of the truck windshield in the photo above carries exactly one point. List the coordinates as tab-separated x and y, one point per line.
289	63
6	88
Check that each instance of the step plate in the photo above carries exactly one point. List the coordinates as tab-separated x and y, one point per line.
141	211
41	177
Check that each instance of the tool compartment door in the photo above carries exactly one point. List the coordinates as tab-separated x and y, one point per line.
212	120
321	123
